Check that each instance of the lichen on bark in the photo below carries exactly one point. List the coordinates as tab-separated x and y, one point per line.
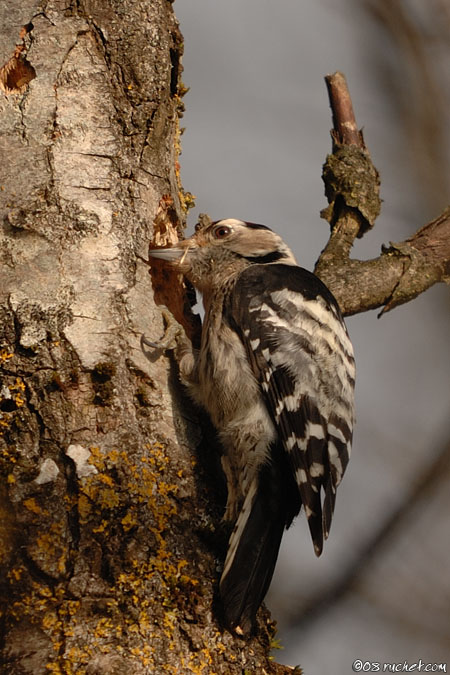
110	543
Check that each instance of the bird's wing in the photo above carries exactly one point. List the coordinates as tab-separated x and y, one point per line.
301	355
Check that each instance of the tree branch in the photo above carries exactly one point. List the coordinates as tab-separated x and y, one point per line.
345	127
403	270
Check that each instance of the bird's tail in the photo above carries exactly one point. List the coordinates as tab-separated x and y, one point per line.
252	551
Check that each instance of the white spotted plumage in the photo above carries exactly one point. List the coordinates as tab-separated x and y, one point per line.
275	371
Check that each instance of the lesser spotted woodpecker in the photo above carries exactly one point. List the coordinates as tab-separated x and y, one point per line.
275	371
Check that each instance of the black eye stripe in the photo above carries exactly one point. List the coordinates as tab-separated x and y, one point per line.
271	257
256	226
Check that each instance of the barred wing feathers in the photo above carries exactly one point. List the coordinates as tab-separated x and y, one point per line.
301	355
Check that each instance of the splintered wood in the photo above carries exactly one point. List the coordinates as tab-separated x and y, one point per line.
170	289
17	73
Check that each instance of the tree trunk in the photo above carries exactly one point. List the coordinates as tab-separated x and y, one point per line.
109	537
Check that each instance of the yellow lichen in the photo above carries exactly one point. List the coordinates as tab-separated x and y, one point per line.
48	546
33	506
102	503
187	199
102	527
84	508
18	387
129	520
16	573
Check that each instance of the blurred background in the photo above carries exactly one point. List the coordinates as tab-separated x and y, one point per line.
257	132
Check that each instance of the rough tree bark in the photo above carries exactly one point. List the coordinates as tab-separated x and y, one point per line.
109	534
108	550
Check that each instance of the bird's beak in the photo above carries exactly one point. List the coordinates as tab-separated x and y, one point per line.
169	254
176	254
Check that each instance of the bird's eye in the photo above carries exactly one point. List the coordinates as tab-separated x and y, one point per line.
222	231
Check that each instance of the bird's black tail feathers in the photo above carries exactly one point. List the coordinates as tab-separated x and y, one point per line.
253	548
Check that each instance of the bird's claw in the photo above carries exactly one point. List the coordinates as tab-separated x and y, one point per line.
173	332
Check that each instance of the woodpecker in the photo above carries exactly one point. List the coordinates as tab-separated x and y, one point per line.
275	371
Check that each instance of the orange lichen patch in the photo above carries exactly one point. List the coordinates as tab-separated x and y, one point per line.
102	527
11	398
100	496
102	459
130	520
96	498
187	200
104	627
106	480
32	505
5	355
19	388
198	663
16	573
149	487
49	547
84	508
8	456
155	590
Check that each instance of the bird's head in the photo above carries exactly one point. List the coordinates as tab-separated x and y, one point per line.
223	249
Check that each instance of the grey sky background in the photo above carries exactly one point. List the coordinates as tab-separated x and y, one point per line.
257	132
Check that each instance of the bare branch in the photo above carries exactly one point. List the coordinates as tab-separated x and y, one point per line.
352	183
400	274
345	129
403	270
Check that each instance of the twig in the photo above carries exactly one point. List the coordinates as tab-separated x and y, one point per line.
345	129
403	270
351	181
